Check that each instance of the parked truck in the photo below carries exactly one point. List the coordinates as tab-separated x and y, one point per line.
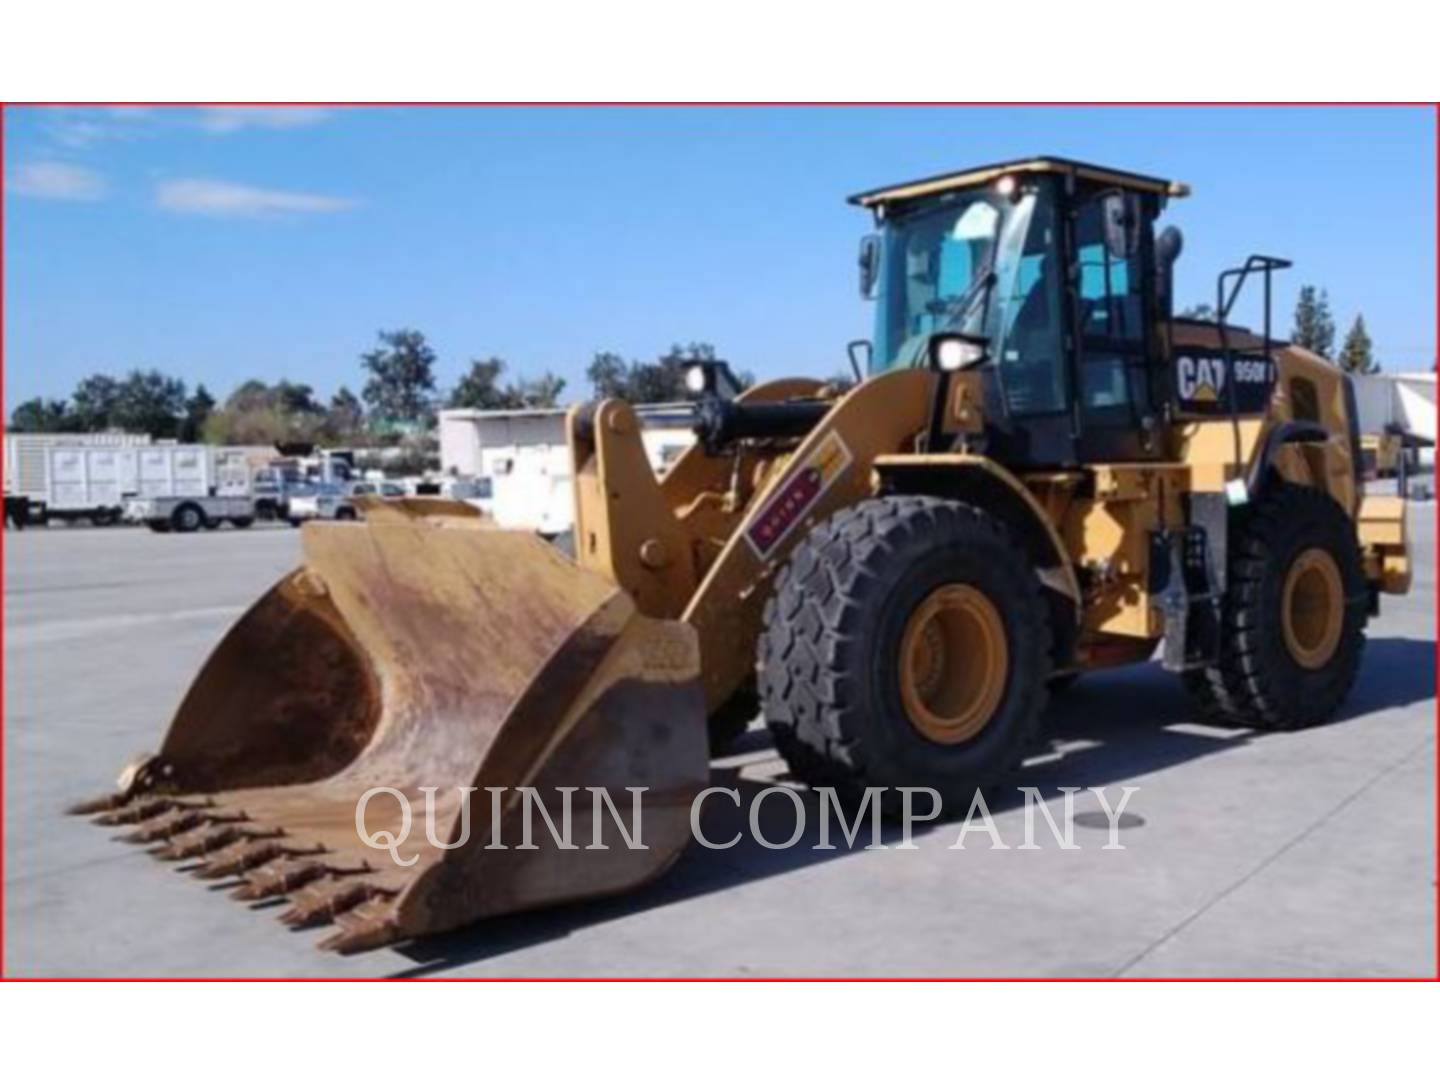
69	476
184	488
302	473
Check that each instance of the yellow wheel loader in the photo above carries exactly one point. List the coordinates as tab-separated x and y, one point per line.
1040	472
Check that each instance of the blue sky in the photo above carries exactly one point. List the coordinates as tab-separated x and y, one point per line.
223	244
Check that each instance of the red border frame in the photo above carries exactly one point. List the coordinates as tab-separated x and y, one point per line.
4	416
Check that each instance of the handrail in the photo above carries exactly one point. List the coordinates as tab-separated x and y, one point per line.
1266	265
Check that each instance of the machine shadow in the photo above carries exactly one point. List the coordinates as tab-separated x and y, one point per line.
1109	728
1395	672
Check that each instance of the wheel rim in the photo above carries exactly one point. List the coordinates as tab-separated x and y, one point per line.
1313	608
953	664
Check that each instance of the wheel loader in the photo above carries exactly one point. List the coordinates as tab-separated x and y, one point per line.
1040	471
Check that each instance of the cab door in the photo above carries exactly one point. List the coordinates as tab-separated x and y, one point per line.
1112	307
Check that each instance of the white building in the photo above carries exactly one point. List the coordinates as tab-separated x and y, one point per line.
524	456
1405	398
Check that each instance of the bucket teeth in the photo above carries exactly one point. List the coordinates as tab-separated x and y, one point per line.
278	878
170	824
371	925
115	800
240	857
136	811
323	902
202	842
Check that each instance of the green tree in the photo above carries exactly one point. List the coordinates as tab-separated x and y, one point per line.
1200	312
150	402
1357	354
345	416
259	414
1314	325
480	387
250	394
42	415
93	402
297	398
541	393
609	375
198	408
401	377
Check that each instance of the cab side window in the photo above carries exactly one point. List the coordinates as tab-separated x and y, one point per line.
1111	314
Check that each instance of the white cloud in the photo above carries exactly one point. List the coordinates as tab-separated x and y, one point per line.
78	128
221	198
223	119
56	180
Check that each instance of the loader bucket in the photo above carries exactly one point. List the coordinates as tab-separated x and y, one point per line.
411	660
406	507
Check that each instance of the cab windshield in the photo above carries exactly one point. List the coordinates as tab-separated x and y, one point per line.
956	266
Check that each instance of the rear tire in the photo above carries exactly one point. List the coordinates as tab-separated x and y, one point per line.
242	522
1060	684
1294	616
187	517
838	660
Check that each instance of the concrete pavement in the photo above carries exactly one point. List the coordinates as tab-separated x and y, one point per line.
1306	854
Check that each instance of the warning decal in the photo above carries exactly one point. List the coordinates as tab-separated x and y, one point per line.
787	506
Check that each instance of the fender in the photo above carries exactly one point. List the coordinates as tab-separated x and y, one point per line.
989	484
1289	431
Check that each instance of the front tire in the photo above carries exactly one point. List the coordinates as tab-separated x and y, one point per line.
187	518
1294	616
730	720
907	644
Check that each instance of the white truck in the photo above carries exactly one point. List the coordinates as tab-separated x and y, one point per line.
70	477
298	475
333	502
184	488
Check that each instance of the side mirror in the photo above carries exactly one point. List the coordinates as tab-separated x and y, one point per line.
1168	246
1121	212
869	265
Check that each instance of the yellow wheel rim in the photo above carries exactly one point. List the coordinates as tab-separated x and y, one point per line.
1312	608
953	664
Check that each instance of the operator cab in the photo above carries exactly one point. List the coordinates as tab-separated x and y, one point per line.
1047	272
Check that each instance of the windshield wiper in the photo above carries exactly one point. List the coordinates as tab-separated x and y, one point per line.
957	309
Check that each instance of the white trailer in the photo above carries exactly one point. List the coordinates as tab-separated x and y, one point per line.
190	513
183	488
88	480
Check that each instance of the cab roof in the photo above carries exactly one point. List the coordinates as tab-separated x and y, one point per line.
983	174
